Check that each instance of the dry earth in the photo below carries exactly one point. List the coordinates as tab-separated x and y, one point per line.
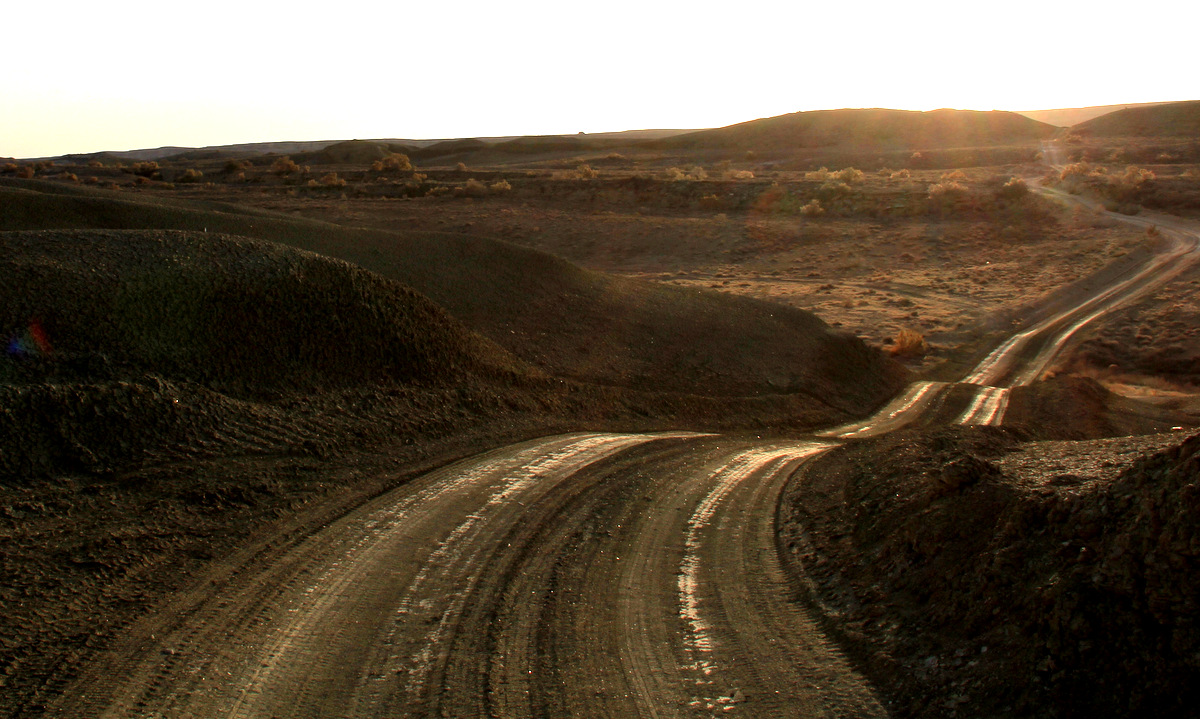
884	529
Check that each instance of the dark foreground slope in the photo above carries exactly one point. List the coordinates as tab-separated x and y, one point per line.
563	320
976	576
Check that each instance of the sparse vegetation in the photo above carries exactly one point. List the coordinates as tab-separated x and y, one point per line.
331	179
812	209
285	166
395	162
908	343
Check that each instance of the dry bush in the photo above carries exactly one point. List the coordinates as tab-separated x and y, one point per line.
95	163
955	176
673	174
499	188
1075	170
332	180
144	169
743	175
751	155
461	167
946	190
25	172
1135	176
821	175
850	176
233	167
812	209
1014	189
473	188
284	166
142	180
396	162
190	175
908	343
10	167
901	175
69	177
711	202
93	180
585	172
614	157
834	189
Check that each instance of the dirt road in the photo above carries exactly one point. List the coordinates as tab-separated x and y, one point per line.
588	575
577	575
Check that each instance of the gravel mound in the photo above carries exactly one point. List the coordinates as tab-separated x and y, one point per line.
976	576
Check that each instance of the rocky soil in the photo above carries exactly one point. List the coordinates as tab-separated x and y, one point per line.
976	575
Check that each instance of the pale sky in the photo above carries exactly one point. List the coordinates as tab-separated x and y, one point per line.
131	74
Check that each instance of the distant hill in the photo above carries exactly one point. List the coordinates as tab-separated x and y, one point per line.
1068	116
1176	119
869	129
249	149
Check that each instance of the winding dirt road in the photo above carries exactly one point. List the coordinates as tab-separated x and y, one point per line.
582	575
579	575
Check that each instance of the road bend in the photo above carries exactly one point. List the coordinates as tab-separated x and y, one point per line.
590	574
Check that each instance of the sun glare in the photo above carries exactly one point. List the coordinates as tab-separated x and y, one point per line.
142	74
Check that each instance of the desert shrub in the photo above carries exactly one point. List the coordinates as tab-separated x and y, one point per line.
95	163
821	175
420	177
1134	176
473	188
284	166
723	168
751	155
190	175
711	202
396	162
672	174
946	190
743	175
501	187
1014	189
901	175
233	167
908	343
1075	170
614	157
312	183
332	180
93	180
812	209
697	173
69	177
239	177
461	167
144	169
25	172
1165	157
10	168
833	189
585	172
142	180
850	176
955	176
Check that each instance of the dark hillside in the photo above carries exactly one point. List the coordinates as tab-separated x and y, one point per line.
1176	119
565	320
869	129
